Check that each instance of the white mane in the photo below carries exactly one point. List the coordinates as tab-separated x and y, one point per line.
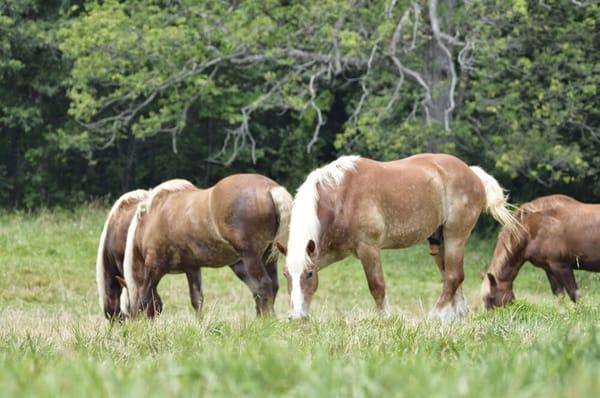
304	223
138	195
174	185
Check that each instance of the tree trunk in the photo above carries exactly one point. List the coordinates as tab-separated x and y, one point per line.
438	68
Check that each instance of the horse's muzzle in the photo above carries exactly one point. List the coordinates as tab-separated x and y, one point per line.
292	315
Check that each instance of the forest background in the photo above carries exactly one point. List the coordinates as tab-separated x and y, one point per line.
101	97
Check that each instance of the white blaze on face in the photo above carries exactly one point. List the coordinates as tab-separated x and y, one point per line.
298	305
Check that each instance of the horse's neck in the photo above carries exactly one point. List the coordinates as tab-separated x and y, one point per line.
508	259
506	265
334	232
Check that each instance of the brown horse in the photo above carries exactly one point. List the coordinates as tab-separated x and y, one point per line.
111	249
559	235
356	206
234	223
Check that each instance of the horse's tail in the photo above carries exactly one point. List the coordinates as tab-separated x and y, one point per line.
283	205
139	194
496	202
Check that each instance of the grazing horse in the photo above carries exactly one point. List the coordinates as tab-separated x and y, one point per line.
559	235
357	206
111	250
233	223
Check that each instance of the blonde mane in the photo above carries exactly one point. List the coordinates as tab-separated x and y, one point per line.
142	208
139	195
304	223
174	185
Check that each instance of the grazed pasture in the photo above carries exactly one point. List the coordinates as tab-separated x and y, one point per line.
54	341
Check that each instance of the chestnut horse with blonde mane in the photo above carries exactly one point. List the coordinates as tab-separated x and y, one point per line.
559	235
111	252
233	223
357	206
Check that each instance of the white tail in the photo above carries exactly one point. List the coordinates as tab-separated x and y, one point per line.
496	202
283	204
131	297
139	195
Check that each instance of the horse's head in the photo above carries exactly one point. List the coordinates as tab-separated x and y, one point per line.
495	293
148	300
302	282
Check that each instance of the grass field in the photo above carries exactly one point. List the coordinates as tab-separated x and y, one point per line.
54	342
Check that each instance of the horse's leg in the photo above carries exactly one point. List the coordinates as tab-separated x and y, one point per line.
195	286
555	285
271	268
156	302
112	308
451	303
370	258
566	278
151	302
259	282
436	249
240	271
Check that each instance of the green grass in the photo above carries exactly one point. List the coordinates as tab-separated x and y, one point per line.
53	340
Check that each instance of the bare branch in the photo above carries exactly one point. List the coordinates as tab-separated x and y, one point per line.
435	27
392	48
389	8
313	104
396	93
363	85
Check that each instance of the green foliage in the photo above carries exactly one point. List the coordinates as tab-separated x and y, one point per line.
96	97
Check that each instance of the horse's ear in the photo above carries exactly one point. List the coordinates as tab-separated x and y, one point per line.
492	279
310	247
121	281
282	249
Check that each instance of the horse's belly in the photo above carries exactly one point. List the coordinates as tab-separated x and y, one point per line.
410	229
405	235
199	253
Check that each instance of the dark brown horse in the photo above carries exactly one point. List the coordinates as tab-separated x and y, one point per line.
234	223
356	206
559	235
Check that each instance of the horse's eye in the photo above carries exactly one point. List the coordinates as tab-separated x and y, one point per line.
309	275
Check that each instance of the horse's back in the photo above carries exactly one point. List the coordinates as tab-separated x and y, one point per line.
405	201
211	226
562	228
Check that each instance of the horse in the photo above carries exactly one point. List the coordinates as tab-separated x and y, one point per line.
358	206
234	222
111	250
559	235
